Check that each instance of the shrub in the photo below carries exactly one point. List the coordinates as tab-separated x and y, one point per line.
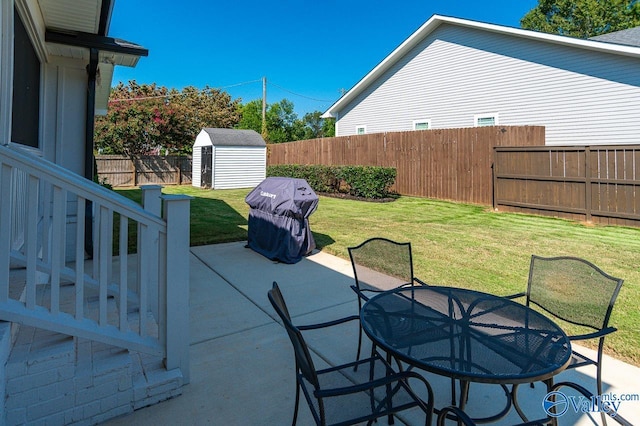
368	181
359	181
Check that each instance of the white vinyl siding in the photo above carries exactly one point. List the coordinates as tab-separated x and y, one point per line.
196	167
580	96
238	167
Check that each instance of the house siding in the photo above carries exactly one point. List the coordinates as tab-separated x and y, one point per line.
580	96
238	167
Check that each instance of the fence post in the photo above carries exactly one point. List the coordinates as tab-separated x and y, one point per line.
494	179
587	183
176	286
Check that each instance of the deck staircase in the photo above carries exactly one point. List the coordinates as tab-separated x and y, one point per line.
84	339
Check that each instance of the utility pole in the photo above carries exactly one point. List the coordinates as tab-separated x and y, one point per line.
264	108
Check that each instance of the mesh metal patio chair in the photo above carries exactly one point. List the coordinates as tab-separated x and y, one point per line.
338	395
380	264
577	292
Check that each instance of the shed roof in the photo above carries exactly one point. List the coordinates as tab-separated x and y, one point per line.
628	37
234	137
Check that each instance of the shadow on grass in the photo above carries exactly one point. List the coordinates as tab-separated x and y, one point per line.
322	240
213	221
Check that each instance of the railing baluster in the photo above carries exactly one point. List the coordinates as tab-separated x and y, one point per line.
95	231
105	236
162	288
124	286
80	222
5	229
143	276
44	247
58	245
31	236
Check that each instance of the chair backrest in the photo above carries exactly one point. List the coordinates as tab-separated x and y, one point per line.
382	263
573	290
304	363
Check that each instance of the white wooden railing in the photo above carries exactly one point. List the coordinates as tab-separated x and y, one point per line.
137	301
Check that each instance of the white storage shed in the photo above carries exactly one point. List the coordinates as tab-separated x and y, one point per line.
228	159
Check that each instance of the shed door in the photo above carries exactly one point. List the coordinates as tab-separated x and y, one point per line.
206	166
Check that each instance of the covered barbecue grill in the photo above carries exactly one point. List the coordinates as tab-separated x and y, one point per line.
279	218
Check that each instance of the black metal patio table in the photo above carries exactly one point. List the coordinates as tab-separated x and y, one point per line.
469	336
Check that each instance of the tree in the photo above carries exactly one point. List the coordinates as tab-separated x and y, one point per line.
143	118
208	107
582	18
317	127
283	124
251	116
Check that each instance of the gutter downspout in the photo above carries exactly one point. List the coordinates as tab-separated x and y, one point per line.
92	71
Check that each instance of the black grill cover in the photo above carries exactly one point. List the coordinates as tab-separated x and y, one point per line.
279	218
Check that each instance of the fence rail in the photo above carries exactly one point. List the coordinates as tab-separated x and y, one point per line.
453	164
118	170
592	183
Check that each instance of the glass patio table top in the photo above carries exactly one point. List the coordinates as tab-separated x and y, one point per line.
467	335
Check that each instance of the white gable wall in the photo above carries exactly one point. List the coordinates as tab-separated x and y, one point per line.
581	97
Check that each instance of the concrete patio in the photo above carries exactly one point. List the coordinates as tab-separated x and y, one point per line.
242	366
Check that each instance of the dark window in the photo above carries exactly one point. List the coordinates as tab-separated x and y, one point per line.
26	88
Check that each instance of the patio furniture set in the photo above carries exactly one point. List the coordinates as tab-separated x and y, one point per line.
467	336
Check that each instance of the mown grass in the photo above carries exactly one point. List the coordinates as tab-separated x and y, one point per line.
453	244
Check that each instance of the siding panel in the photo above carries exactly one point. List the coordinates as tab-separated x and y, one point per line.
581	97
238	167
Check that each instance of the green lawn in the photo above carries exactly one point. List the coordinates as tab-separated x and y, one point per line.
453	244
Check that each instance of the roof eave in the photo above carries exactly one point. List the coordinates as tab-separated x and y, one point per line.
94	41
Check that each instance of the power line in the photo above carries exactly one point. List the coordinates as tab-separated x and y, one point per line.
168	95
298	94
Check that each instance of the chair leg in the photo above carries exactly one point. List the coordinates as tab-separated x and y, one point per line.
599	386
295	410
453	392
355	367
599	377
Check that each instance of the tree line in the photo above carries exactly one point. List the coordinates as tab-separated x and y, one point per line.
144	118
147	118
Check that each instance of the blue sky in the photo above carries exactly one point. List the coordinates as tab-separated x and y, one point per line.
309	51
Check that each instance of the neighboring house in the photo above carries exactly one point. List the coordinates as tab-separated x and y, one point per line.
228	159
459	73
85	334
629	37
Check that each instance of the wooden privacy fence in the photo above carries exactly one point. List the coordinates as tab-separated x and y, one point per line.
119	170
453	164
592	183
